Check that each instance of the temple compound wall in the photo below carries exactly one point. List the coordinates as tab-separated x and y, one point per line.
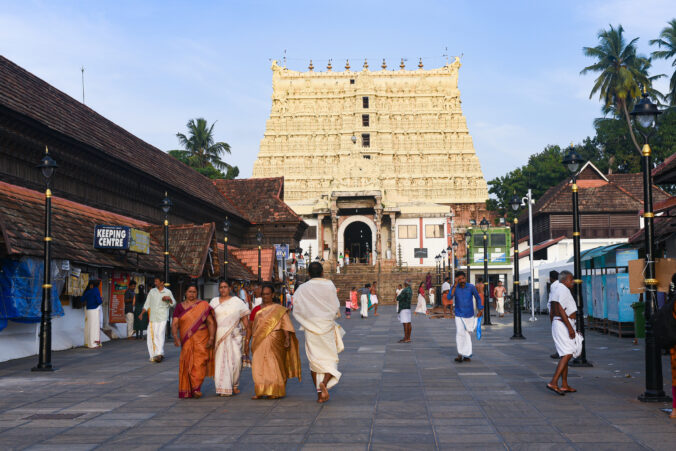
379	163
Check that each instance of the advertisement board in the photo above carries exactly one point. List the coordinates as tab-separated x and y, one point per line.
111	237
139	241
118	285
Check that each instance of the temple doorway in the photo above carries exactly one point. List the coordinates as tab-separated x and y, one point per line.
358	239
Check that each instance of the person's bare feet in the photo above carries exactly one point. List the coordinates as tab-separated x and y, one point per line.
235	391
673	413
324	393
257	397
568	389
197	395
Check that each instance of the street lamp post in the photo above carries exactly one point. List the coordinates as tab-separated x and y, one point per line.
438	276
307	262
644	116
455	249
226	229
468	236
166	206
573	161
443	262
487	305
259	240
47	166
516	305
449	253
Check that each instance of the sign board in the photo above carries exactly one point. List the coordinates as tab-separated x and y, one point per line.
111	237
420	252
139	241
478	257
118	285
498	257
664	268
282	252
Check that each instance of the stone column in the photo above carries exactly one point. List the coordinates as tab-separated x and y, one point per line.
320	236
393	234
334	234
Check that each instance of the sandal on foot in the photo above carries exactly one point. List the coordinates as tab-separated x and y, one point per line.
458	359
568	390
555	390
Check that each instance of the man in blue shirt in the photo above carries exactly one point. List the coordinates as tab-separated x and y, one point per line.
464	295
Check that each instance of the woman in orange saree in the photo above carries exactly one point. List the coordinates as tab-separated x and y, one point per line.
274	347
194	323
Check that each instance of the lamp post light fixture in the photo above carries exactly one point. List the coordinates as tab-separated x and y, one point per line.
353	139
644	116
516	305
166	205
487	305
259	240
468	236
47	166
454	246
443	262
226	229
449	253
573	161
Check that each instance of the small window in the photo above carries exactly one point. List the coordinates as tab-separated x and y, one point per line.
478	240
408	232
498	240
351	81
365	140
365	102
434	231
365	120
367	157
310	233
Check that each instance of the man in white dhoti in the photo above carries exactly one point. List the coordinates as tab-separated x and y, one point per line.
315	307
158	302
499	295
568	342
554	284
92	300
464	295
374	298
364	300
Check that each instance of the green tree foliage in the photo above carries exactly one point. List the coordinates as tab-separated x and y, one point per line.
622	73
202	153
667	45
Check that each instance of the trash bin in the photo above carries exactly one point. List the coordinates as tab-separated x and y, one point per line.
639	319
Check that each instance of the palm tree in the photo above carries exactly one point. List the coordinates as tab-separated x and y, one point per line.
668	41
199	146
622	72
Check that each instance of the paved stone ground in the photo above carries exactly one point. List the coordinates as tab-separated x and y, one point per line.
392	396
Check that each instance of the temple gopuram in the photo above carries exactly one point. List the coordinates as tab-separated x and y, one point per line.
379	163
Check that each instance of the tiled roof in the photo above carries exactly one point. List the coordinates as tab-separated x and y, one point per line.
189	244
666	172
623	192
543	245
22	227
236	269
30	96
249	257
258	199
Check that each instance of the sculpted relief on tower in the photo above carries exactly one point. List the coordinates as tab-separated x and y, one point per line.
399	131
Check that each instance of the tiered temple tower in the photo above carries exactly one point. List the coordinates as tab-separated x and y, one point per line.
389	144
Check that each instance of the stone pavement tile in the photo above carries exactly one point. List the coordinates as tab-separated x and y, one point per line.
333	447
290	428
402	447
214	430
125	441
197	440
403	437
657	440
535	446
264	446
441	422
254	439
69	447
459	438
305	421
402	422
607	436
617	447
463	429
340	437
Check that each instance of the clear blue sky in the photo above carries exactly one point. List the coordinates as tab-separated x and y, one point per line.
152	65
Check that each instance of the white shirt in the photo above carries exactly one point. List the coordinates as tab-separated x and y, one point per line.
258	301
159	310
445	287
563	296
552	288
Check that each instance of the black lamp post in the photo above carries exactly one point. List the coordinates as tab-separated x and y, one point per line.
47	166
259	240
487	305
644	116
437	300
516	305
226	229
449	252
468	236
455	250
443	263
573	162
166	206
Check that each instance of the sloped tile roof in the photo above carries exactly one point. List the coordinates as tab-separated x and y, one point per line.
189	244
666	172
26	94
22	226
236	269
258	199
249	257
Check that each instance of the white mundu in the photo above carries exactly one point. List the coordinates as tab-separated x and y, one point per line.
463	334
364	304
316	307
228	347
564	344
92	327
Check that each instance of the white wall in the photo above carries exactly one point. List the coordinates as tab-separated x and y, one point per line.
433	245
305	244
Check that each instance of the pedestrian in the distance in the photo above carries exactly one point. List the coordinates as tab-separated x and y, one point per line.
92	300
129	305
464	294
158	302
351	303
373	298
421	306
364	300
404	307
446	302
499	295
568	342
140	320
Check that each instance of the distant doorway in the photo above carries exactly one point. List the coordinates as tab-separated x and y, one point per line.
358	239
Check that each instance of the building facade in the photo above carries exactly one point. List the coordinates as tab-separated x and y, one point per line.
376	162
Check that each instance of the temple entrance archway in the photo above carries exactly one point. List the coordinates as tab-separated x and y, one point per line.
353	236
